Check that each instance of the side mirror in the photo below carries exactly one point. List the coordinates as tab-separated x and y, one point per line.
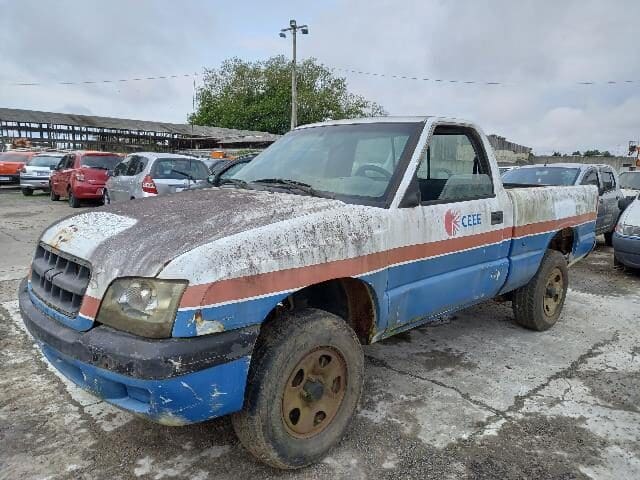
211	179
109	173
53	167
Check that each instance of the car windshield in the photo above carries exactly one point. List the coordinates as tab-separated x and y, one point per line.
179	169
343	161
44	161
541	176
13	157
106	162
630	180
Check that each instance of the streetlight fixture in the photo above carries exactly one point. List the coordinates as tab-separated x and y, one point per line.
293	28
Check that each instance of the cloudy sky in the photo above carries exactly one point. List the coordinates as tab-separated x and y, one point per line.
539	51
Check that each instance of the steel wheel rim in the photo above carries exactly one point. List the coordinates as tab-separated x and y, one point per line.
314	392
553	292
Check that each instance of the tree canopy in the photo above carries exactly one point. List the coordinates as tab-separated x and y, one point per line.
257	96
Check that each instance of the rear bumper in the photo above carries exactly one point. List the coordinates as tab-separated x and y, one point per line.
34	183
88	190
9	178
171	381
627	250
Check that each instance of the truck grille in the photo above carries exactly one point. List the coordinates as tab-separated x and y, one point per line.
59	280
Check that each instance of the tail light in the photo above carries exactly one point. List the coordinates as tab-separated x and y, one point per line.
79	177
148	185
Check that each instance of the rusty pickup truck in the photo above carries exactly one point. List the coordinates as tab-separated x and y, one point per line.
254	298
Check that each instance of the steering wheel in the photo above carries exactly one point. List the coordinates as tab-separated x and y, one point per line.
441	172
373	168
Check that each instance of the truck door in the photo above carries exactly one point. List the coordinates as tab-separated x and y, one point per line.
461	222
609	198
116	188
591	178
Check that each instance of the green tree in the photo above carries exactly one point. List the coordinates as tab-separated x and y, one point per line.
257	96
592	153
607	153
556	154
577	153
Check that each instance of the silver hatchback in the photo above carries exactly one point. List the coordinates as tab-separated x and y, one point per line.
149	174
36	172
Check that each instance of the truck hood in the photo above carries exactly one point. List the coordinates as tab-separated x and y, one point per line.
140	237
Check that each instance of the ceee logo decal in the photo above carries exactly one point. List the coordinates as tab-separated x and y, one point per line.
453	221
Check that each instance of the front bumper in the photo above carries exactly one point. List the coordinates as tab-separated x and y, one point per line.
627	250
34	183
171	381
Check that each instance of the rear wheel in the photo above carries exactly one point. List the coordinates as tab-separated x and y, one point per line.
52	195
608	239
73	201
27	192
538	304
304	384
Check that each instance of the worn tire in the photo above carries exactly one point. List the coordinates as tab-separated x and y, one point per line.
282	345
528	301
54	197
73	201
608	239
27	192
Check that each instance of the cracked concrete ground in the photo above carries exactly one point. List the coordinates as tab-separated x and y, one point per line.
473	397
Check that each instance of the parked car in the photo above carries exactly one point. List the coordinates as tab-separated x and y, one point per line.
504	170
254	298
214	163
630	184
223	172
150	174
81	176
626	239
11	163
602	176
37	171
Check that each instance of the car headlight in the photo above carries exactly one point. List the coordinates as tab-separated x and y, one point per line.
142	306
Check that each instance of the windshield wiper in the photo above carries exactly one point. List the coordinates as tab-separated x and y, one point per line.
236	182
293	185
184	174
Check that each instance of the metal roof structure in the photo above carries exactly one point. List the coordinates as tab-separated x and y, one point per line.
89	131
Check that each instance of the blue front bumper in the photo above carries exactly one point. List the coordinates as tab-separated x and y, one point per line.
170	381
627	250
181	400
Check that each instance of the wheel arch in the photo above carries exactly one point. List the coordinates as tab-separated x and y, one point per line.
352	299
564	241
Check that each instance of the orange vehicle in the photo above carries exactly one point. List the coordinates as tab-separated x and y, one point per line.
11	163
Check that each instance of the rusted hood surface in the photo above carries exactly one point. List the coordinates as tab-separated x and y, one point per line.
138	238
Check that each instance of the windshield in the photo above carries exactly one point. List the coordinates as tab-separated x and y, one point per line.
107	162
343	160
44	161
630	180
541	176
179	169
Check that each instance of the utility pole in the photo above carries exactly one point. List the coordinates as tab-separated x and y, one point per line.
293	28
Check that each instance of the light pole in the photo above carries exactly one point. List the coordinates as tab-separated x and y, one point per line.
293	28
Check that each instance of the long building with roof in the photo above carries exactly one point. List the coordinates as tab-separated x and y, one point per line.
72	131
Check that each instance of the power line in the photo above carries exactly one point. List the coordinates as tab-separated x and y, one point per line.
395	76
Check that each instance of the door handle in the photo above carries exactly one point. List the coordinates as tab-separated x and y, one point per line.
497	217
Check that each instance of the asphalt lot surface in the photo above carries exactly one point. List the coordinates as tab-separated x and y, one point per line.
474	396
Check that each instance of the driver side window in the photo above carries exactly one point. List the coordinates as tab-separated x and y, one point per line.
454	169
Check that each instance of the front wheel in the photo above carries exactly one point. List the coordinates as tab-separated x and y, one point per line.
538	304
304	384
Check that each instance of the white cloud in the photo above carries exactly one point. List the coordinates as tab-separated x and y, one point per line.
539	48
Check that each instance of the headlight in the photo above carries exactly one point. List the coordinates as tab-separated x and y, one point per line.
142	306
628	230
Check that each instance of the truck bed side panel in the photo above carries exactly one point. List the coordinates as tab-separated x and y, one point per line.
539	214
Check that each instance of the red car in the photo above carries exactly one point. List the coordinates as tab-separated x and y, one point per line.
10	165
81	176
